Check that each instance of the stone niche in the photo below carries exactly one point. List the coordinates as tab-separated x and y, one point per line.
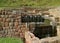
38	28
45	31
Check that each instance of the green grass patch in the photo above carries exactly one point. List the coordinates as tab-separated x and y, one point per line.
33	3
10	40
47	21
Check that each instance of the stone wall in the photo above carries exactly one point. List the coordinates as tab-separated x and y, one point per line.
56	14
10	22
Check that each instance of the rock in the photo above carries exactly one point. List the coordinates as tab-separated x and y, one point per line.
30	38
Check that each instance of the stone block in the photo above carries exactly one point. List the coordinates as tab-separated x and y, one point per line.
19	30
10	16
10	27
21	35
1	19
2	16
6	16
17	34
10	23
8	19
6	24
4	28
16	23
4	19
18	17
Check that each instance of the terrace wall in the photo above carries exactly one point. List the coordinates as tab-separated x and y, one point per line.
10	20
10	23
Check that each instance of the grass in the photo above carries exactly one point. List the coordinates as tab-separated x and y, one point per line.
10	40
47	21
34	3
